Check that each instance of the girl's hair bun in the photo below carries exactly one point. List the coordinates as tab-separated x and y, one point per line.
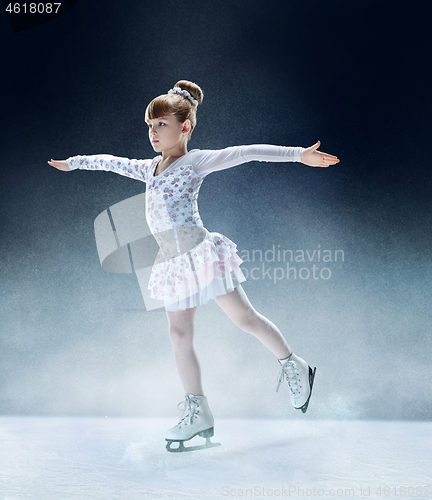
194	90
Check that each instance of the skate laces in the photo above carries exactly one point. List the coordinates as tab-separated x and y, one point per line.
290	370
191	404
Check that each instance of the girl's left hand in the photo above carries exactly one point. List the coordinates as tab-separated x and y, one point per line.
313	158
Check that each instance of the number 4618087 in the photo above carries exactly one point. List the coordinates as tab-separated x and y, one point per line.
33	8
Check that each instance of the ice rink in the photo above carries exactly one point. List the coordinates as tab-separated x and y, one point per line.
51	458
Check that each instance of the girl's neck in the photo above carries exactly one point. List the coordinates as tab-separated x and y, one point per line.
169	157
174	153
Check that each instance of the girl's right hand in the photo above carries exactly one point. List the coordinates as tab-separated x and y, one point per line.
60	164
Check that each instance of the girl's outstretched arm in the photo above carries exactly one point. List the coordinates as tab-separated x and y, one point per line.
135	169
207	161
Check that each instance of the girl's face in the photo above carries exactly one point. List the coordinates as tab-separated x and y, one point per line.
165	133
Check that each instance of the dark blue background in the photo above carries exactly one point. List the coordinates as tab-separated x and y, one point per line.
353	75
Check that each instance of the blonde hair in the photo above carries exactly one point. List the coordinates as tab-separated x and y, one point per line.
177	105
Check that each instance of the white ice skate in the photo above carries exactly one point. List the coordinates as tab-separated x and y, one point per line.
300	379
198	420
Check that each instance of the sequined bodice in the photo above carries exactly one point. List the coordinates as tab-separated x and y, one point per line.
172	209
171	199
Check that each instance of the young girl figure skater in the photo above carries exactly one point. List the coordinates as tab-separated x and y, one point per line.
189	271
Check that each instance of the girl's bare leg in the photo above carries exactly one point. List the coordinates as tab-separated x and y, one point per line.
181	331
237	307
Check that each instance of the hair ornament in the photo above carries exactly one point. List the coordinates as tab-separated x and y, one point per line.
184	93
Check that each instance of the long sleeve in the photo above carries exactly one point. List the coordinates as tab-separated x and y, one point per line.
136	169
206	161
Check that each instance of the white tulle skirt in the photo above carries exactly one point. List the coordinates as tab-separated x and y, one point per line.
210	269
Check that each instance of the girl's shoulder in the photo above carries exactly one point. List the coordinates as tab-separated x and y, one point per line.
189	158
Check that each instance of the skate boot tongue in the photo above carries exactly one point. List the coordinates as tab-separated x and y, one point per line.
290	370
189	405
284	361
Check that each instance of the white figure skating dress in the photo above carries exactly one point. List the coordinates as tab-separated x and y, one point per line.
192	265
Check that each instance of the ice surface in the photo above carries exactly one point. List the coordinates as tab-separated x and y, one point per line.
50	458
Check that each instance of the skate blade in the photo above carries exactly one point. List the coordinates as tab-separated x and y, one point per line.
311	381
182	448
